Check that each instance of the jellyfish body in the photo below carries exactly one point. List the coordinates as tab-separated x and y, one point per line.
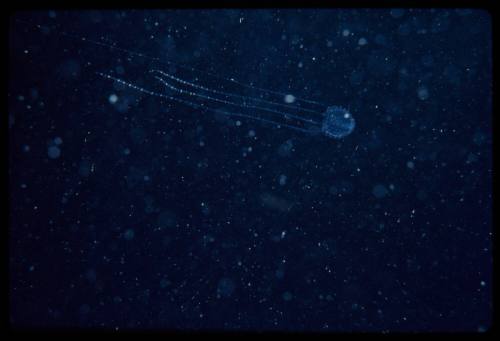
338	122
334	122
299	114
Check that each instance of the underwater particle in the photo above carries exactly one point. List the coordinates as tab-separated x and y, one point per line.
282	179
423	93
397	12
225	287
380	191
289	98
287	296
54	152
164	283
84	309
113	99
166	219
129	234
85	168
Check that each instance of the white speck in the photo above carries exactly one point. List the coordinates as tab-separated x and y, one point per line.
483	283
300	64
362	41
126	151
410	164
54	152
238	123
345	32
58	141
289	98
113	99
26	148
251	133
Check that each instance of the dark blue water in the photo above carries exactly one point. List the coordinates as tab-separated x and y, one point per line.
132	211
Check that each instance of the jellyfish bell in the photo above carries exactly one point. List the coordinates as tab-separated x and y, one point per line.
337	122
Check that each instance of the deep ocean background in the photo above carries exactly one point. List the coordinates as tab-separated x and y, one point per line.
130	211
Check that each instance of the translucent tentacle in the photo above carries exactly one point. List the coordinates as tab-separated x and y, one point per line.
196	105
167	62
210	98
227	94
114	46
